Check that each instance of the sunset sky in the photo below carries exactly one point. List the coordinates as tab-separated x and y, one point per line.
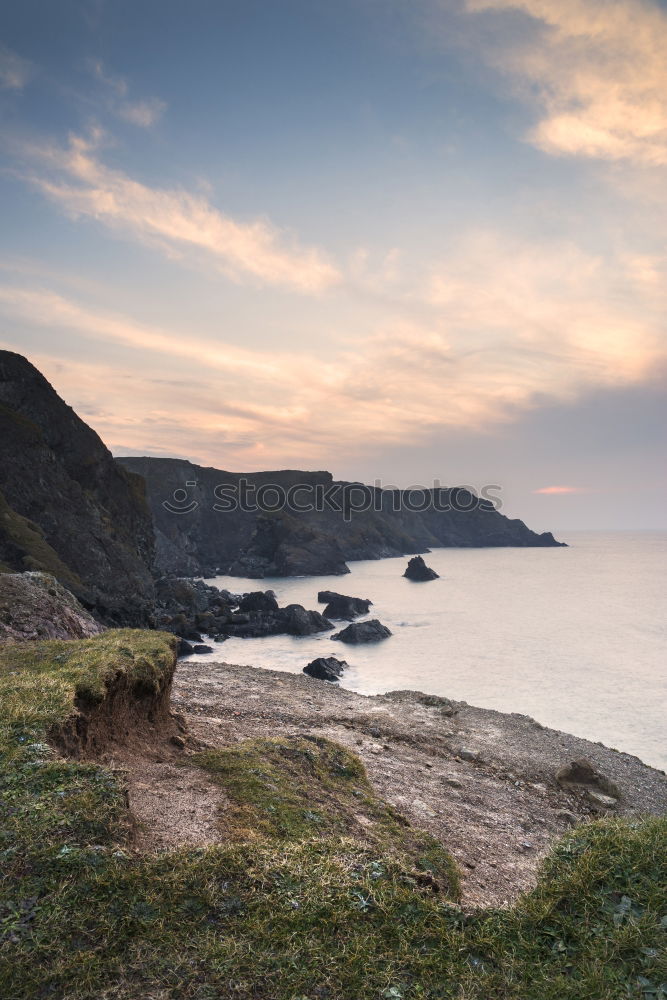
397	240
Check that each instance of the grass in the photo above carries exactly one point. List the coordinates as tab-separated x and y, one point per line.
300	788
291	907
24	543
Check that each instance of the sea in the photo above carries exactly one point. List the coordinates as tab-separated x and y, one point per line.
575	637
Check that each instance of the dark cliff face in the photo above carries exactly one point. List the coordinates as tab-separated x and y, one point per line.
194	537
65	505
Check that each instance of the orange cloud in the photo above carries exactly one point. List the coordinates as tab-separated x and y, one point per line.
180	222
562	489
493	350
599	71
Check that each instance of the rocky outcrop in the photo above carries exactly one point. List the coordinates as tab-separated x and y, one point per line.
36	606
284	545
371	631
259	601
327	596
298	621
346	608
582	778
291	523
325	668
189	608
66	506
292	620
418	571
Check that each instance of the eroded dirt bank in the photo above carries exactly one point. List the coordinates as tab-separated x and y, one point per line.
482	782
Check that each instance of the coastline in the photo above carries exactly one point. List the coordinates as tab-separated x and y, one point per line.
482	782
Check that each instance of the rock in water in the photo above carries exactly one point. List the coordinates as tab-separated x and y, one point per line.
259	600
325	668
346	607
297	621
253	542
292	620
419	571
371	631
326	596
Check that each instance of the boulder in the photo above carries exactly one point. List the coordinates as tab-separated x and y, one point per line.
297	621
346	607
325	668
372	631
36	606
326	596
292	620
600	801
254	625
418	570
259	600
202	648
184	647
191	634
582	776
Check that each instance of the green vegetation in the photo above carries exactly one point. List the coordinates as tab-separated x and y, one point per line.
23	542
299	788
313	907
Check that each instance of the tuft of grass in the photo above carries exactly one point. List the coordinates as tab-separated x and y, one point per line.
48	803
294	913
300	787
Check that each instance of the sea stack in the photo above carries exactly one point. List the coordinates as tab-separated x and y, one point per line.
419	571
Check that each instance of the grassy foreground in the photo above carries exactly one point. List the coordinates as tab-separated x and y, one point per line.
295	906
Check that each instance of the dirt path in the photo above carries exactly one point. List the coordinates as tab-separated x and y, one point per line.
481	781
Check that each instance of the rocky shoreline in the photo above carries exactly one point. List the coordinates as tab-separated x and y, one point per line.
490	786
211	521
86	543
110	530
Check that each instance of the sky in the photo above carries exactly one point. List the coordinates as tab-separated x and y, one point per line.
404	242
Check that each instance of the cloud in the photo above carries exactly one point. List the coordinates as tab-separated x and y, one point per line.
598	70
142	113
557	490
179	222
15	72
550	318
503	329
117	84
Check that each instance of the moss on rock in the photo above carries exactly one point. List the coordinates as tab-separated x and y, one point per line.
23	546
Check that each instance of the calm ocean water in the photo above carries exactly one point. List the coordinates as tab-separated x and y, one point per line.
574	637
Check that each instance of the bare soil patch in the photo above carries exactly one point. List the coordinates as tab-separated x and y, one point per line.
482	782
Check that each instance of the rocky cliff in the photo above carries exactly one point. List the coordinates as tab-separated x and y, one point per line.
66	507
290	523
36	606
